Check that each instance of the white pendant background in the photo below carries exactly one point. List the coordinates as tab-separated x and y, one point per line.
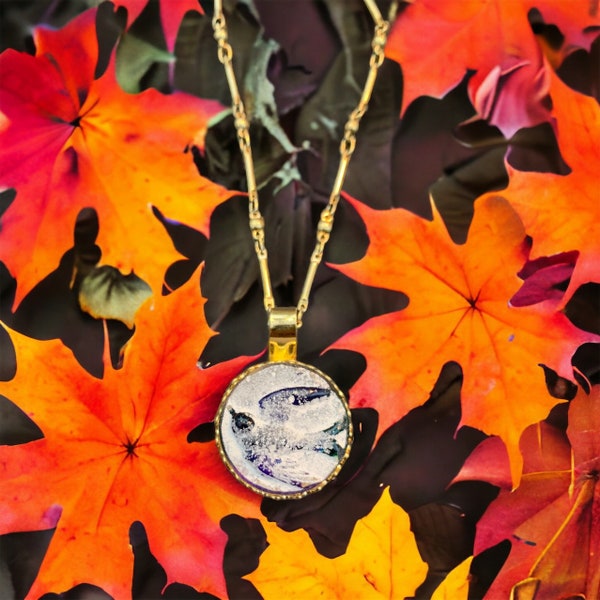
283	447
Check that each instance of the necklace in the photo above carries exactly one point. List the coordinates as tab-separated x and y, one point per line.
283	427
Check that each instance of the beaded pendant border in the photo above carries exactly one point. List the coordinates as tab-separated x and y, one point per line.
283	429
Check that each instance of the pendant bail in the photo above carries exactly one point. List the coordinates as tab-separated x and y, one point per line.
282	333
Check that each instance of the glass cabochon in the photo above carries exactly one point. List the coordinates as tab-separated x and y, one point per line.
283	429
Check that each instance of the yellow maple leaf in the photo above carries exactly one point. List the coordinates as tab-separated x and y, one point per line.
382	561
456	584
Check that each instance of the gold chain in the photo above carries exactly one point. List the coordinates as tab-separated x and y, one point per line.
347	146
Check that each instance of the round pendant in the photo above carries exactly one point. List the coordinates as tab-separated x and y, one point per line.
283	429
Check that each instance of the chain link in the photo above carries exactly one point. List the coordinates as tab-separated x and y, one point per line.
347	147
242	128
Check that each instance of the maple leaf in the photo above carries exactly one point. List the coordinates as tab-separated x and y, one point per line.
577	21
562	212
458	311
456	584
171	14
70	142
437	43
382	560
543	278
115	451
552	518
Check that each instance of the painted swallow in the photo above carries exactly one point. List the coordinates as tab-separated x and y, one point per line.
278	405
281	451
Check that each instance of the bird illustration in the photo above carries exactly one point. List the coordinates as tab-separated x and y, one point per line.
278	405
276	440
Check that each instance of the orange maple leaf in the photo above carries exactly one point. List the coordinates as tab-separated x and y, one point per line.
578	21
115	451
562	212
382	561
437	43
171	14
552	518
70	142
459	311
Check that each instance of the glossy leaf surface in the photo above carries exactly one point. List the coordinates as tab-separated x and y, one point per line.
381	561
552	519
543	199
438	43
458	311
115	451
171	14
77	142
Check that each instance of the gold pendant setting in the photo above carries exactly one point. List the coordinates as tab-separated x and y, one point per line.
283	429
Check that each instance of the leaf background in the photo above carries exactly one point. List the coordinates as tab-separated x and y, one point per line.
312	81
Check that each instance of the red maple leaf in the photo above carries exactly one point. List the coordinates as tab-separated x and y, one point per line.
459	311
437	43
543	278
562	212
553	518
115	451
70	141
171	14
